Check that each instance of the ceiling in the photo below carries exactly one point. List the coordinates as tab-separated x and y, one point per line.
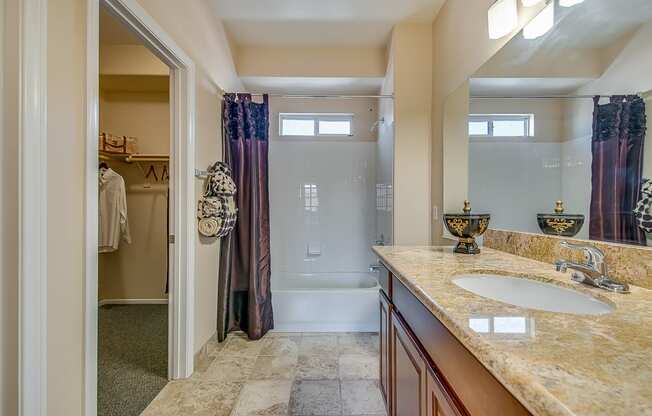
519	87
316	86
112	32
319	23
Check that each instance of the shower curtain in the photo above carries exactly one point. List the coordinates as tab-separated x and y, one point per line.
244	293
617	149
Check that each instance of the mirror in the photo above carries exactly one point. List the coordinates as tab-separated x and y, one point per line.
554	129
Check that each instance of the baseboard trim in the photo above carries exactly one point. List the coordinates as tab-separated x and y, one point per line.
133	302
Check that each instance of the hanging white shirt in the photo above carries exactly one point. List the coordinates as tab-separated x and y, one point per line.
113	224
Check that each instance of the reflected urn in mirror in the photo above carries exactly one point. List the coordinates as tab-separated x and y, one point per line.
466	226
559	223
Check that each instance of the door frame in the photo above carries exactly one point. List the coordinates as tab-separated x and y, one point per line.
32	207
182	164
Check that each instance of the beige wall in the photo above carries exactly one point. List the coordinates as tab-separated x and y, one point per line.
130	60
461	46
8	209
311	62
66	61
138	270
411	59
193	27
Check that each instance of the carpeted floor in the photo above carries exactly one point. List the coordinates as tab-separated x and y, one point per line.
132	357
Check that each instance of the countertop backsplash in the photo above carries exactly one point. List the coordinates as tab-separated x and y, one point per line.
626	263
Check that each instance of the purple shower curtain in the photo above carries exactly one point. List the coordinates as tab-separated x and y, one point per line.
617	148
244	293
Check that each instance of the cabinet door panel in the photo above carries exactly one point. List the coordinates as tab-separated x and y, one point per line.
385	325
408	387
439	403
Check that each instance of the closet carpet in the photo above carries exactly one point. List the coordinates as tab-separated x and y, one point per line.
132	357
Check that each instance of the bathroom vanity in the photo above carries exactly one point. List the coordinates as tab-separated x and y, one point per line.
445	351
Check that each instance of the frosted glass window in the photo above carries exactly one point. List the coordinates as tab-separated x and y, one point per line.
479	128
335	128
501	125
297	127
509	128
312	124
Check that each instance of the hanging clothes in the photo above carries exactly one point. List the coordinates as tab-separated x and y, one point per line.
113	223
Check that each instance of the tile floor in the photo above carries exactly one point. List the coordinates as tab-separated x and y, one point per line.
281	374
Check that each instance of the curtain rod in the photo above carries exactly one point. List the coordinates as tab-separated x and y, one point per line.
526	97
320	96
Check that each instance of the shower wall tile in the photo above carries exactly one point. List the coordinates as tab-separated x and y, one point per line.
322	205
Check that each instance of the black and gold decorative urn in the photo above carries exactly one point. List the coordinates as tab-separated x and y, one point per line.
560	224
466	226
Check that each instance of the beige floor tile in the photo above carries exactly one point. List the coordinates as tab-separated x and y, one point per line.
359	366
193	398
275	368
240	345
281	345
315	367
318	345
316	398
362	397
362	343
228	368
264	398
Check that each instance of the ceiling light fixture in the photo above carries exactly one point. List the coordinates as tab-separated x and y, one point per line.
503	18
541	24
529	3
569	3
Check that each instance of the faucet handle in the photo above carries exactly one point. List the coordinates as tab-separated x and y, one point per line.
594	256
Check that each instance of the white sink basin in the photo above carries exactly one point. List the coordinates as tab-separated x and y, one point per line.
532	294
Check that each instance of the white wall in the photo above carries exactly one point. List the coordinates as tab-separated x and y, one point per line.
341	226
513	181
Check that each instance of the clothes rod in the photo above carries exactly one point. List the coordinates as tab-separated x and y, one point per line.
326	96
537	97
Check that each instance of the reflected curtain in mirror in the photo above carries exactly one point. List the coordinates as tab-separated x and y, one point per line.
617	150
244	292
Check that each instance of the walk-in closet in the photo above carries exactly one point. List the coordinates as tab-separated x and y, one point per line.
133	217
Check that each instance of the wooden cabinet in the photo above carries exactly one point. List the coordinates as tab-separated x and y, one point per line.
425	370
408	373
385	325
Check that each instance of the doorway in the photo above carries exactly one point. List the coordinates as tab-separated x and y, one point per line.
129	295
133	213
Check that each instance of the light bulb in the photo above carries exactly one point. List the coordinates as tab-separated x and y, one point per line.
528	3
569	3
503	18
541	24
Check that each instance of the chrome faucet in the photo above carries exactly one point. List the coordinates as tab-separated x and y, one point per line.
594	272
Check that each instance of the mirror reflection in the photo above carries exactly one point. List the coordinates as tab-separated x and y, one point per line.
557	127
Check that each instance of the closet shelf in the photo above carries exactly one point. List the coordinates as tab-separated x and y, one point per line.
135	157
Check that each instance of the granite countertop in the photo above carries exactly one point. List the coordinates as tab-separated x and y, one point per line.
553	363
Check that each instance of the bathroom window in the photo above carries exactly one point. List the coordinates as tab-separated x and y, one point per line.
310	124
501	125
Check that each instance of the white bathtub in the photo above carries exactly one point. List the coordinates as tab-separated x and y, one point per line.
325	302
